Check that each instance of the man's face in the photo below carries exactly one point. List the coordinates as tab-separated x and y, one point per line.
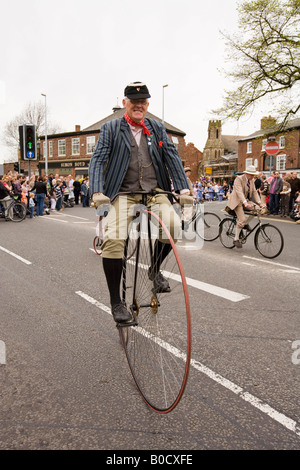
276	174
249	177
136	109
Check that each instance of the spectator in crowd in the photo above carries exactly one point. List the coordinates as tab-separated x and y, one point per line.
84	194
40	189
285	198
295	187
77	189
275	190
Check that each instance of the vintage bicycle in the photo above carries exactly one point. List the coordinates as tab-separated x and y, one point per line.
16	211
268	240
205	224
157	342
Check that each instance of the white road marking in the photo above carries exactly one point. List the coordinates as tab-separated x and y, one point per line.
2	353
282	419
53	218
272	262
204	286
25	261
74	216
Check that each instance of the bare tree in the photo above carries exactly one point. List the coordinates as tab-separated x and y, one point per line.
34	113
264	60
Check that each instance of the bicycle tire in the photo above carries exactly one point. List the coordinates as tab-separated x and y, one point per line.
16	212
97	243
158	350
227	232
211	222
269	241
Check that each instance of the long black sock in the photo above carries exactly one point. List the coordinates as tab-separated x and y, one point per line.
113	272
161	251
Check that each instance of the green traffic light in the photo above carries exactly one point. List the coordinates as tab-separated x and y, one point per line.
29	145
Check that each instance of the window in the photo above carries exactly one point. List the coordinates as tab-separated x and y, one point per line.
90	144
281	142
280	162
76	146
61	148
249	147
50	149
248	162
264	143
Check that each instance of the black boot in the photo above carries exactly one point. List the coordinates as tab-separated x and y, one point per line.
161	251
113	272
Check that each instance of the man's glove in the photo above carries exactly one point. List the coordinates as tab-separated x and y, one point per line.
99	199
186	200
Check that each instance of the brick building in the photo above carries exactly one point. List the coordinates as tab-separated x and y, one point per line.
251	149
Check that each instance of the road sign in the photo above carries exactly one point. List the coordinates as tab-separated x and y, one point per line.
30	155
208	170
272	148
270	162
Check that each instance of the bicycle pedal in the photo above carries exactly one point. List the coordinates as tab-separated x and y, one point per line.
132	322
160	291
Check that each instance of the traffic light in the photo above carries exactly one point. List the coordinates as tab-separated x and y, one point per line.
28	142
16	166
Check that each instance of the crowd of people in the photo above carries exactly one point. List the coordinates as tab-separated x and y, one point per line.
43	194
280	194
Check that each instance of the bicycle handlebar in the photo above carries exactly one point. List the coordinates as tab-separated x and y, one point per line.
153	192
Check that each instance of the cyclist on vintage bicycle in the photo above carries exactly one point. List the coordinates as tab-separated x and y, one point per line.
241	198
133	153
5	198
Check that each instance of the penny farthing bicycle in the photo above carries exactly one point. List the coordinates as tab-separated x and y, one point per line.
157	342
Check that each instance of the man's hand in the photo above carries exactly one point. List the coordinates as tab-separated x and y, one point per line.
186	200
99	199
247	205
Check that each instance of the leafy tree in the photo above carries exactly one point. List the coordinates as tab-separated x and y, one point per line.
34	113
264	58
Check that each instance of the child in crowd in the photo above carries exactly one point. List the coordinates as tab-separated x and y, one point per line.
31	204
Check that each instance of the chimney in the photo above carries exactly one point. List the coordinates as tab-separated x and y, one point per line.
77	128
267	122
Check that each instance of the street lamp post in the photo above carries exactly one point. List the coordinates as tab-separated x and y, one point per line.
163	103
46	145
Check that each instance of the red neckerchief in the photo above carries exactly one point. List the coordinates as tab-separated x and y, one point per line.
133	123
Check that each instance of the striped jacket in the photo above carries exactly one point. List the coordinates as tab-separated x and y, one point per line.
111	157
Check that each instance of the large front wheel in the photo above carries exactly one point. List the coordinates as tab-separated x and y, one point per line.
268	241
158	350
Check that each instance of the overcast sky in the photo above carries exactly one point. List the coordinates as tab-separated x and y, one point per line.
82	54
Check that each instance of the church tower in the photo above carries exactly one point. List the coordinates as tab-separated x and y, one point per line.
214	147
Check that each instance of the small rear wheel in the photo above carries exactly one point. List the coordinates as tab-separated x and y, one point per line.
97	244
